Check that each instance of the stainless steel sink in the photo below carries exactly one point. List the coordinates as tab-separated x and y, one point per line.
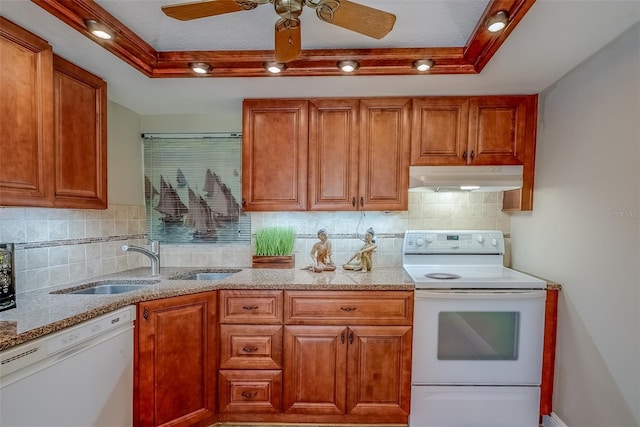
108	287
205	275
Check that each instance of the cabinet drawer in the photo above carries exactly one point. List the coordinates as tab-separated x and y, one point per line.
248	391
250	347
348	307
250	306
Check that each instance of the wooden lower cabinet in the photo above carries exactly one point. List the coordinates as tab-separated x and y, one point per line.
348	374
248	391
274	357
176	361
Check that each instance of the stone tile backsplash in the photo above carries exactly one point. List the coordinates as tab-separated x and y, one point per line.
58	246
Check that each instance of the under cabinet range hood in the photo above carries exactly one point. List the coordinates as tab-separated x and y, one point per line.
465	178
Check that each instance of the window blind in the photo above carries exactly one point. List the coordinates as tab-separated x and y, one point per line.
193	188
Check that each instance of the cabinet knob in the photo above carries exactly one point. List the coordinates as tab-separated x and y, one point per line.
250	349
353	202
361	201
348	308
249	307
464	156
473	155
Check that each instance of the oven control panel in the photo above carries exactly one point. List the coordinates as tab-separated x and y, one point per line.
417	242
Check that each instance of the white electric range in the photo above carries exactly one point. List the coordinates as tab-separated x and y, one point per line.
478	332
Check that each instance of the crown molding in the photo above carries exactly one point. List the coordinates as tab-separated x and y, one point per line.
129	47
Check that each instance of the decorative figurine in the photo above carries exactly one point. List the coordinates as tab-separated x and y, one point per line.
364	256
321	254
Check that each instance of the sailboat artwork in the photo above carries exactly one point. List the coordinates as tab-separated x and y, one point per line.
220	198
180	178
198	189
170	205
150	191
200	217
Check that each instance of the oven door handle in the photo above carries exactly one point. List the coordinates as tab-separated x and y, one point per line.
480	294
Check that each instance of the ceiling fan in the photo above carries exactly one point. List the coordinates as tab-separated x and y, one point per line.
343	13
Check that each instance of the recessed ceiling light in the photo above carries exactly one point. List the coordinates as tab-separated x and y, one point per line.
99	30
348	66
498	21
274	67
423	64
200	67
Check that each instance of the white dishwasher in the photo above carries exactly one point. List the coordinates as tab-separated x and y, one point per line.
81	376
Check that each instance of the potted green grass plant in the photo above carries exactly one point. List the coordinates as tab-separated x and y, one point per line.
274	247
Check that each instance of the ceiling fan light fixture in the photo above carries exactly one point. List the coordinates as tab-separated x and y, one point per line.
498	21
423	65
200	67
274	67
99	30
348	66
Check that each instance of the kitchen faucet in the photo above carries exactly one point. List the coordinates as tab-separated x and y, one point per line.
153	253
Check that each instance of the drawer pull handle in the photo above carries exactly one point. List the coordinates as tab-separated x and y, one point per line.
348	308
249	395
250	349
249	307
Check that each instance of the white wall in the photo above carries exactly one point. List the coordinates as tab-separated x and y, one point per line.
584	232
125	154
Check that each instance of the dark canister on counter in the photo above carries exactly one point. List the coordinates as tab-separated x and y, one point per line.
7	277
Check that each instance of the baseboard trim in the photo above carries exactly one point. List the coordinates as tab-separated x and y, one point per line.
552	420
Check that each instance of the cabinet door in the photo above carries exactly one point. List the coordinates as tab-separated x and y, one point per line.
26	124
80	137
274	155
439	128
498	130
384	153
176	364
333	154
315	370
379	367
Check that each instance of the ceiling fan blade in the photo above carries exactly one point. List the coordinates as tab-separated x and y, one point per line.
359	18
288	43
201	9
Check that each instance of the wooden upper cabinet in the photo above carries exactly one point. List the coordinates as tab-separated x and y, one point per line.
384	153
26	124
484	130
498	129
333	154
326	154
440	128
53	130
80	137
274	155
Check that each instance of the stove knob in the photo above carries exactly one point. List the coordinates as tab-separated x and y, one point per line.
420	241
429	238
494	242
480	238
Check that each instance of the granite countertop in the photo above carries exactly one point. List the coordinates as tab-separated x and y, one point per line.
40	312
